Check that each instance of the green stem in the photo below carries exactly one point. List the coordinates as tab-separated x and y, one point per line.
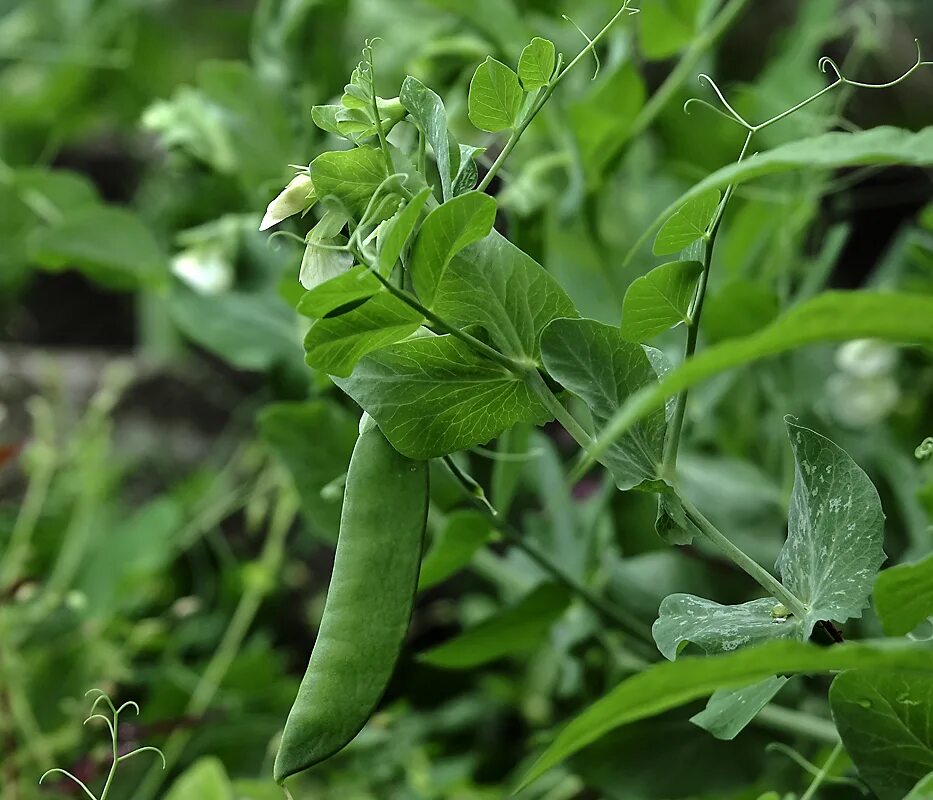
17	549
545	96
116	757
823	773
614	615
695	314
747	564
561	414
269	562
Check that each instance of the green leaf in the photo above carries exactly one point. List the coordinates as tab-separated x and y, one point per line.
494	285
738	309
595	362
923	790
206	779
433	395
835	530
109	245
250	331
877	146
427	110
884	721
351	176
904	596
688	224
667	26
454	547
684	619
395	232
832	316
537	62
351	287
728	712
292	431
668	685
468	173
336	344
446	231
515	630
495	97
659	300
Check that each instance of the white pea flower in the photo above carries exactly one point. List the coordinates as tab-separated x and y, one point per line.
295	198
205	268
863	390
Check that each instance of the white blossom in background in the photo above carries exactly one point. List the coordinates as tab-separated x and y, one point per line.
863	389
206	269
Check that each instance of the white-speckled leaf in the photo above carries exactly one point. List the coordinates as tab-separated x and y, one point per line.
714	628
835	530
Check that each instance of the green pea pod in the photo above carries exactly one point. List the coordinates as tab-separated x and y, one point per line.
368	604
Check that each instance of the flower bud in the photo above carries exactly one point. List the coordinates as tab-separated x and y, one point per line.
295	198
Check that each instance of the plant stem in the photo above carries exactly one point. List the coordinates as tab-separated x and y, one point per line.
545	96
561	414
738	556
116	757
675	428
821	775
203	695
617	617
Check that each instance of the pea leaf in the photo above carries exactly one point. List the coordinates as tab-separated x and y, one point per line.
352	286
428	112
292	430
688	223
881	145
351	176
669	685
835	530
514	630
537	62
740	308
454	547
396	231
495	97
206	779
666	27
468	173
728	712
832	316
685	619
904	596
594	361
335	344
433	395
446	231
884	721
923	790
109	245
250	331
659	300
494	285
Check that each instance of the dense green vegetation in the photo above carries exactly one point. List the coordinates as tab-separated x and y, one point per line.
640	504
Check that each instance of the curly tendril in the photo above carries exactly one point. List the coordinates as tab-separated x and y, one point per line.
113	725
825	65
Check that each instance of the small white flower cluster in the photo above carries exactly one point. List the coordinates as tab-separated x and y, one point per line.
863	390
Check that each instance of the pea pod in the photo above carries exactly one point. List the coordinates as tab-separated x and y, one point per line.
368	605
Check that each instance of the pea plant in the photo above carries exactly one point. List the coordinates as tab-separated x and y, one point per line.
448	336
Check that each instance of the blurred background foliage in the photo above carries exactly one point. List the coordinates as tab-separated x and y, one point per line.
171	479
